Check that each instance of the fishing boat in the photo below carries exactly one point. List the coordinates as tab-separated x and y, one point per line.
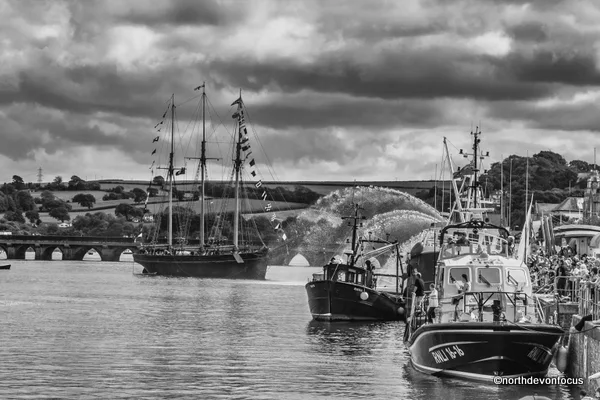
488	322
5	266
213	257
347	291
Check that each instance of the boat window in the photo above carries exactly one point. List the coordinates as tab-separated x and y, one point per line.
458	274
488	276
350	277
360	278
341	276
516	277
473	237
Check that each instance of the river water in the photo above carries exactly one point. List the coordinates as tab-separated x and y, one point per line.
94	329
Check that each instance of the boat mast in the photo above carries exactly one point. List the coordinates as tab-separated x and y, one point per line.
475	170
237	166
354	233
170	172
202	166
457	201
502	191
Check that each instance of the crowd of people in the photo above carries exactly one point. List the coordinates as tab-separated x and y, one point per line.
564	272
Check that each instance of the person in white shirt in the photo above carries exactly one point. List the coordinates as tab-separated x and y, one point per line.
433	303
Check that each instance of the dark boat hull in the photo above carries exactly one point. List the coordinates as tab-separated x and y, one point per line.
341	301
7	266
205	266
480	350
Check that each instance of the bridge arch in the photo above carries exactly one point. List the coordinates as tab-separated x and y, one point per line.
299	260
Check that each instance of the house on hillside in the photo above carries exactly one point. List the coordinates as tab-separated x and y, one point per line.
576	208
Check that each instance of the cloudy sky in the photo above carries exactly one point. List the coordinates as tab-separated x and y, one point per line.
336	90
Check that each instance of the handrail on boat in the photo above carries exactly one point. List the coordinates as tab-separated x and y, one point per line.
512	297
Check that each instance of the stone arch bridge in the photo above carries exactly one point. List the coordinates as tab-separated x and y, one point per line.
72	247
316	256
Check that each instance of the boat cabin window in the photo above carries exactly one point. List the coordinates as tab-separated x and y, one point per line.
473	237
459	275
516	277
350	276
488	276
360	279
341	276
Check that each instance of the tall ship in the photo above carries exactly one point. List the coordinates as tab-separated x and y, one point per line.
487	322
212	256
347	291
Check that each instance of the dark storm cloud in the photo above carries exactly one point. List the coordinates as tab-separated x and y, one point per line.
91	88
367	114
179	12
566	66
421	75
25	127
531	31
561	116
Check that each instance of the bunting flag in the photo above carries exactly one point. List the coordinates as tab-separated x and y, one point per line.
199	87
160	123
181	171
154	151
151	165
165	114
239	115
155	139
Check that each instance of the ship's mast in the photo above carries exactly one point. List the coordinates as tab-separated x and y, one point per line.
475	182
170	172
355	219
202	166
473	188
457	201
237	164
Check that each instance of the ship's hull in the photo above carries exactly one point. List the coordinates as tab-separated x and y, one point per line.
341	301
481	350
206	266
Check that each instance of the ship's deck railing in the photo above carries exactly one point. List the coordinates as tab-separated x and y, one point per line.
568	288
589	299
473	306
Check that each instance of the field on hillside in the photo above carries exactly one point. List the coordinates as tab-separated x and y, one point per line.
227	205
254	207
322	188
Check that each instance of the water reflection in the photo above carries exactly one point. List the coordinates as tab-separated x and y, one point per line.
349	338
